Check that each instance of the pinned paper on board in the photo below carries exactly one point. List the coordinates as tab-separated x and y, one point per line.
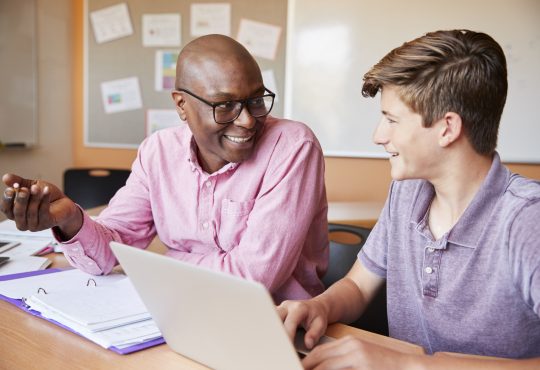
157	119
161	29
210	18
261	39
165	71
121	95
111	23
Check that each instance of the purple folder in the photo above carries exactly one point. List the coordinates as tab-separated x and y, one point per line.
19	303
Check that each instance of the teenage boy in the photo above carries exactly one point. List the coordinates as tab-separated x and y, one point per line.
458	241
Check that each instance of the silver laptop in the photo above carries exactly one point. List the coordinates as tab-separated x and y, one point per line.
217	319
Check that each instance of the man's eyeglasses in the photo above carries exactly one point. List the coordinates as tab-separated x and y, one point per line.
227	111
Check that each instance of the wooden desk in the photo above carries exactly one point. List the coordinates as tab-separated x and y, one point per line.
28	342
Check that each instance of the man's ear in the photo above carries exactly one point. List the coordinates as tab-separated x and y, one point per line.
179	102
451	129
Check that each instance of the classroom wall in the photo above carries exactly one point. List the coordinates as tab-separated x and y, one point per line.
347	179
54	70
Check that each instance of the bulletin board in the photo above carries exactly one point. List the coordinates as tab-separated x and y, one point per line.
125	58
18	59
331	46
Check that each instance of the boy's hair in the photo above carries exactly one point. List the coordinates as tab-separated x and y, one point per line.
457	71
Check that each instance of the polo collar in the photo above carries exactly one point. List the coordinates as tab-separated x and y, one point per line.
469	228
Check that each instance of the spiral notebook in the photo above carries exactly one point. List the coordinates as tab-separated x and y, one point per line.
71	300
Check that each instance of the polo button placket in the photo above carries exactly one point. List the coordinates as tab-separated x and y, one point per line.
430	268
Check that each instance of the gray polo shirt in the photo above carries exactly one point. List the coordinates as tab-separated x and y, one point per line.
476	289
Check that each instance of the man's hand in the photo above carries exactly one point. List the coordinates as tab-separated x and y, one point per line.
38	205
353	353
311	314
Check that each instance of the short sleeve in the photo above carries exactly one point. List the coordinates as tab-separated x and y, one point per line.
524	253
373	254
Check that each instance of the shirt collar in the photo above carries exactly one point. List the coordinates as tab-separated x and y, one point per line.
191	157
468	230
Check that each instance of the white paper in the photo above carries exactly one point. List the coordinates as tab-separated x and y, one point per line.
109	315
210	18
111	23
8	227
126	335
24	264
121	95
269	81
165	70
53	282
261	39
85	306
161	29
27	247
157	119
30	242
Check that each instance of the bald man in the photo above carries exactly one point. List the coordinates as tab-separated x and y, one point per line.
234	189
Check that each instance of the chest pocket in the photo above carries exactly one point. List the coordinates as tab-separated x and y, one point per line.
234	216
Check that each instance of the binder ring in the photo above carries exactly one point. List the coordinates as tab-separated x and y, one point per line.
91	280
40	290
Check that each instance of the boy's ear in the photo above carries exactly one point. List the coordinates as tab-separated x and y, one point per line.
451	130
179	102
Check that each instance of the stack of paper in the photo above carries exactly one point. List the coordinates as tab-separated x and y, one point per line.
22	256
105	309
23	264
8	228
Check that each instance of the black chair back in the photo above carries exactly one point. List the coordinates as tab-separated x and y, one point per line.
342	258
92	187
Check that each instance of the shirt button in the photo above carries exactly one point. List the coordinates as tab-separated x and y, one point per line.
75	249
205	225
431	250
428	270
90	263
208	184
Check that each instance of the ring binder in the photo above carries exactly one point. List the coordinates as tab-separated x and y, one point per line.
24	305
122	339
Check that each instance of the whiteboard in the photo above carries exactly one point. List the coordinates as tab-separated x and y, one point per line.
331	45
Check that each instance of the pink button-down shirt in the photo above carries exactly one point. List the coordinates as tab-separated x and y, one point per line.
264	219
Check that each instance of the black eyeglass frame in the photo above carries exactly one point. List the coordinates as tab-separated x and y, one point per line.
241	101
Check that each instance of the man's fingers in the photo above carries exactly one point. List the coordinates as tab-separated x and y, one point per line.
7	202
11	179
295	315
327	356
32	209
19	208
282	312
44	207
314	331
